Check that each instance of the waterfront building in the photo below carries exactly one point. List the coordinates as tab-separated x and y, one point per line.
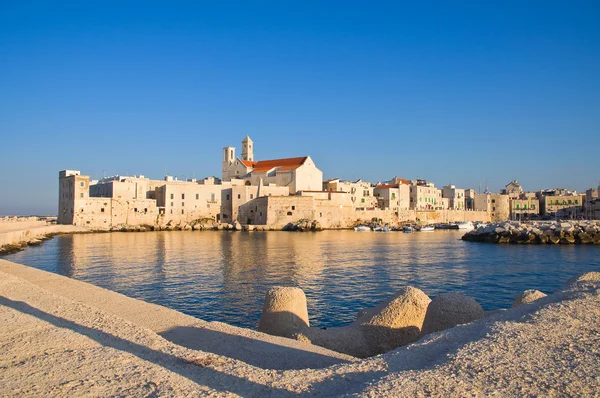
524	208
394	197
361	192
425	196
297	174
455	196
562	206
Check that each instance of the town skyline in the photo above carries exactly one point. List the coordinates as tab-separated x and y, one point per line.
476	95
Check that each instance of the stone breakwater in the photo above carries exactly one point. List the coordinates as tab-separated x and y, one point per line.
511	232
406	317
63	337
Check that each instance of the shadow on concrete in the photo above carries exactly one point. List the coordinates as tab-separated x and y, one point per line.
196	373
262	354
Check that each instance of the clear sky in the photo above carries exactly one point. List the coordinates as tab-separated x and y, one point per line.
456	92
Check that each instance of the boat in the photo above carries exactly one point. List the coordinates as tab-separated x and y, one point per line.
408	229
466	225
427	228
382	229
362	228
446	226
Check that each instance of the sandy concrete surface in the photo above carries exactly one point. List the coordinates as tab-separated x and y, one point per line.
52	343
22	232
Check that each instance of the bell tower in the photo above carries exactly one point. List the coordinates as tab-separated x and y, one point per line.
247	151
228	159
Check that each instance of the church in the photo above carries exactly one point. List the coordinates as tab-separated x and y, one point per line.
298	174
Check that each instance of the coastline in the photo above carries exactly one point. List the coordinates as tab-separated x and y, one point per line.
63	336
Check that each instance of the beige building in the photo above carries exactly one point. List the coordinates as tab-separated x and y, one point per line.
513	189
524	208
362	196
425	196
455	196
297	174
394	197
562	206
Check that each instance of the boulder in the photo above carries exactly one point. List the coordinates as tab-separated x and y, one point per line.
284	311
391	324
528	296
449	310
586	277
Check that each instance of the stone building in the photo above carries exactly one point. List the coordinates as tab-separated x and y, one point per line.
394	197
361	193
562	206
295	173
513	189
455	196
524	208
425	196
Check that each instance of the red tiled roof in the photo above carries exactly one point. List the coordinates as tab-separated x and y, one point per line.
282	164
248	163
384	186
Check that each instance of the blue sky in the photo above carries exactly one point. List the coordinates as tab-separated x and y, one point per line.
458	92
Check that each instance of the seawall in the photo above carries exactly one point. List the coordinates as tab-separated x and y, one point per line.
65	337
13	236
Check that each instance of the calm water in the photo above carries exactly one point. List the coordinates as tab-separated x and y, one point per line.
223	276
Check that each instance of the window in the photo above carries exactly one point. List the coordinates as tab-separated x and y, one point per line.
102	210
570	201
493	200
82	184
251	196
81	195
362	200
197	196
182	211
182	204
172	196
239	196
393	195
532	207
293	207
524	207
135	209
227	197
494	208
182	196
576	202
171	204
517	206
146	210
289	213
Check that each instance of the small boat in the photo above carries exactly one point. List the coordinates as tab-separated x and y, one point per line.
362	228
382	229
427	228
408	229
446	226
468	225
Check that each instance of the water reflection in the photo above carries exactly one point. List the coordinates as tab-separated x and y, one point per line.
224	276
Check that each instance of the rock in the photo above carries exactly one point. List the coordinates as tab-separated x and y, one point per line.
528	296
284	311
391	324
449	310
585	277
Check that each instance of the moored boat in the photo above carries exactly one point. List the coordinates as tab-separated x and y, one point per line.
427	228
362	228
465	225
408	229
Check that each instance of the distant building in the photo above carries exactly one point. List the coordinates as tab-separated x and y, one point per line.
455	196
513	189
297	174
